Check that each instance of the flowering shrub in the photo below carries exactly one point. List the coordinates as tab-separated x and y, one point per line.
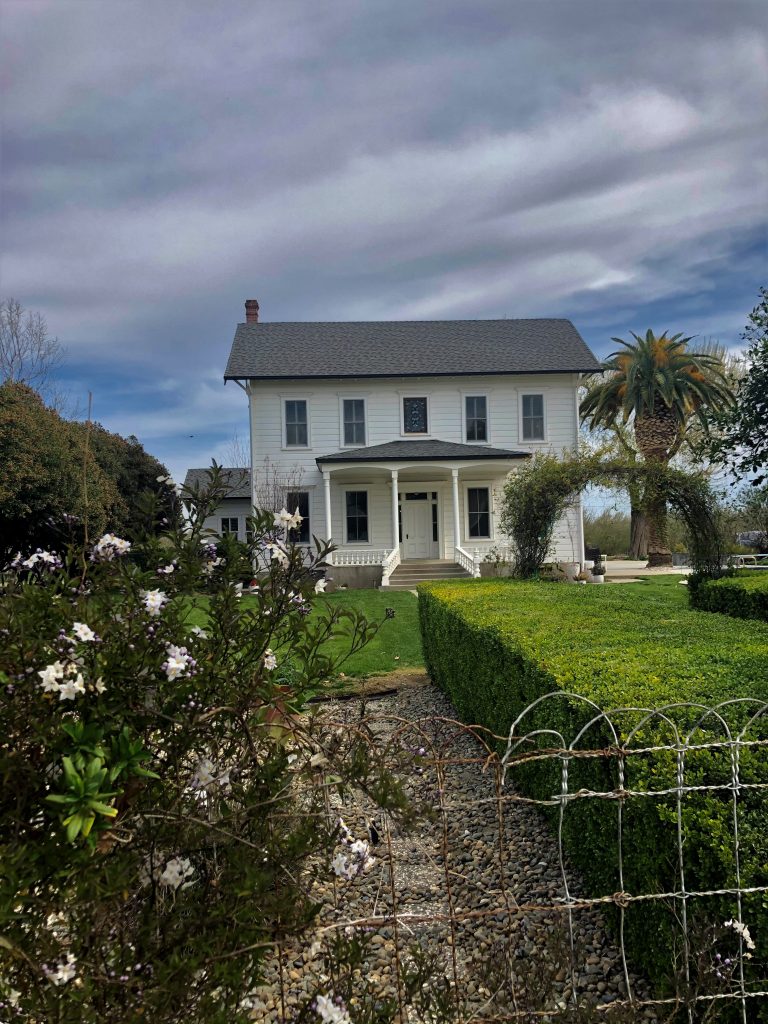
155	820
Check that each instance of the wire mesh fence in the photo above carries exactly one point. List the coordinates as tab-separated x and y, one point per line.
469	905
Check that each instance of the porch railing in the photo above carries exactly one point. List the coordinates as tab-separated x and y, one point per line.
360	556
389	564
469	563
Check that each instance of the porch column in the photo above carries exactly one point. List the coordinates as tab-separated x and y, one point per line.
456	523
395	530
327	498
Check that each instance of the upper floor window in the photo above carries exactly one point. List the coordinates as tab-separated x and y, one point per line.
476	412
533	417
354	420
229	524
299	500
415	417
296	425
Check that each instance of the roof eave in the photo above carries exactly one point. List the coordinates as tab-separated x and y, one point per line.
388	376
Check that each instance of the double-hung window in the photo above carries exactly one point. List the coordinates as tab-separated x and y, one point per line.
533	417
479	512
476	415
415	415
354	420
299	500
296	423
357	517
229	524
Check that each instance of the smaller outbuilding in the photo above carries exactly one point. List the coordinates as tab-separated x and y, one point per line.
231	516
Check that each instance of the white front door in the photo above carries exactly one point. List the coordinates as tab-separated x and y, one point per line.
417	529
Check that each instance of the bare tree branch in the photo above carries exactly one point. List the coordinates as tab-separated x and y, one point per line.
28	353
237	455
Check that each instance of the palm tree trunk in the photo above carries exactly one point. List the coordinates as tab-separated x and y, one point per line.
638	523
656	514
638	533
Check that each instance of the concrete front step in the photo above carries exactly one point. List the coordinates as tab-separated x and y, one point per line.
408	574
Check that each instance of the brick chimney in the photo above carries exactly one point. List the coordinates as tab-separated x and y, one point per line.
251	311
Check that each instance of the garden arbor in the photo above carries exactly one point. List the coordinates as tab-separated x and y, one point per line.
537	496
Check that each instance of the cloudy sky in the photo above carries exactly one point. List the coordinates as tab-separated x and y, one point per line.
603	160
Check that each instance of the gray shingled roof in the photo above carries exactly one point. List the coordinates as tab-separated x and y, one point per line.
238	479
407	348
434	451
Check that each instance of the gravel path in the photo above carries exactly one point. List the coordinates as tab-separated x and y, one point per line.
463	887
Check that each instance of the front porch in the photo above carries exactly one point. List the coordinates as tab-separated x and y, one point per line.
412	510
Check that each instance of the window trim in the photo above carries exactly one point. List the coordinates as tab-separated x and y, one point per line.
525	394
476	394
284	426
236	531
356	490
491	519
426	395
353	398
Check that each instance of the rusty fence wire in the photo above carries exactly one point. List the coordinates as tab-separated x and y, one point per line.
469	905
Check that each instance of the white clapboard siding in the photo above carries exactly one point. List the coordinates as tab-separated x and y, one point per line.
383	423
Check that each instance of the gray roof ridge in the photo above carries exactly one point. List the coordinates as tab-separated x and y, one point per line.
459	320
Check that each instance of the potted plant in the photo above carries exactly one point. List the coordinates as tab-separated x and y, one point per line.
581	577
598	573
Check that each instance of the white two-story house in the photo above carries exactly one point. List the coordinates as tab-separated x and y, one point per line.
402	433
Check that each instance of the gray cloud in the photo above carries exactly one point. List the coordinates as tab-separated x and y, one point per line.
161	162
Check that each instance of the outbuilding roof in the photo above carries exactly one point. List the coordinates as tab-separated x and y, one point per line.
239	480
406	348
432	451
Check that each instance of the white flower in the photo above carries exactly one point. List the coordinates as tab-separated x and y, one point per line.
83	632
207	777
176	873
99	686
270	661
70	689
340	866
199	632
64	971
108	547
154	601
51	675
287	521
174	668
742	930
321	585
178	662
277	554
330	1012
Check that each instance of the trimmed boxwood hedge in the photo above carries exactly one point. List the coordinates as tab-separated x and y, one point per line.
496	646
744	596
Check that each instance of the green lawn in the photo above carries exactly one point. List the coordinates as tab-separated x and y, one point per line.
658	588
398	642
396	645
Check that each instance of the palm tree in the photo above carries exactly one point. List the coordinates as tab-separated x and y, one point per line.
661	386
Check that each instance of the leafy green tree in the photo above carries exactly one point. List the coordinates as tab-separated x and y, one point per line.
51	484
137	476
744	425
660	386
